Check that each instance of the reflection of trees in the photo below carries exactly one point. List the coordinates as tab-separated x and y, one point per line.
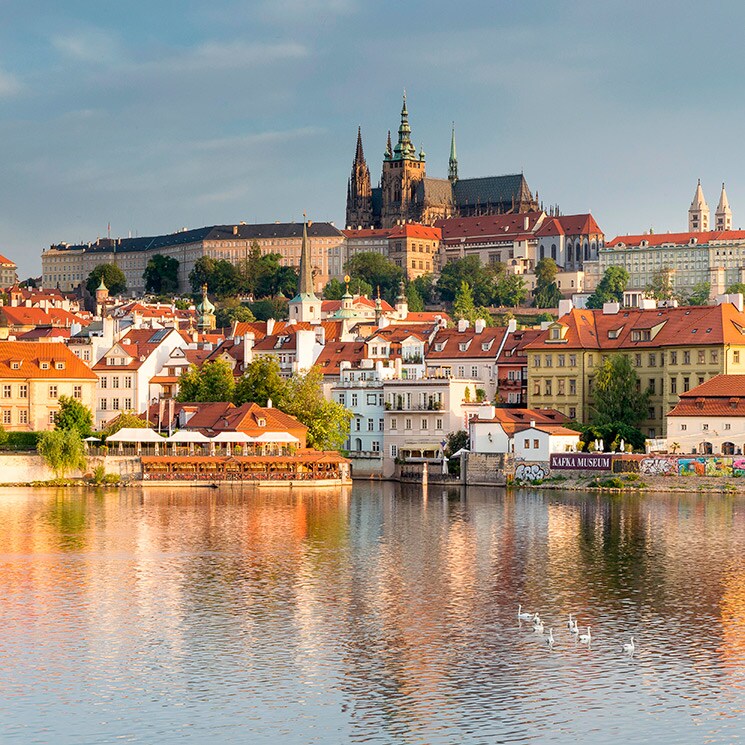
69	513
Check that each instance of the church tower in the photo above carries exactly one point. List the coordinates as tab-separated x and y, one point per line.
305	306
453	161
359	190
723	215
698	214
403	169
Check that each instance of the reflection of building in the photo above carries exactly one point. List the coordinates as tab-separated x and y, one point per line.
33	377
671	349
710	418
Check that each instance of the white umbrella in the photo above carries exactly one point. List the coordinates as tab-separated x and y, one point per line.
187	435
232	437
135	434
276	437
92	439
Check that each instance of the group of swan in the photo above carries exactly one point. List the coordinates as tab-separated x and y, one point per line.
573	627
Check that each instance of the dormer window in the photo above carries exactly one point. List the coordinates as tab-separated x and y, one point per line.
261	422
641	335
44	365
15	364
440	346
463	346
59	365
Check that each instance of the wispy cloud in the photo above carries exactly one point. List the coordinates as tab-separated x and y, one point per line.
222	55
9	84
259	138
298	10
88	45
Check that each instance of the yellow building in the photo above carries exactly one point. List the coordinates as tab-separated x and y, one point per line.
671	349
32	378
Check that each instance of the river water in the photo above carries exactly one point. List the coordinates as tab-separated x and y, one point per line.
376	616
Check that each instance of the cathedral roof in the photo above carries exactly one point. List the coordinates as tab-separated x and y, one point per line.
491	190
434	191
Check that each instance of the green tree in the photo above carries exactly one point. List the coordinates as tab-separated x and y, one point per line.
219	275
230	310
464	307
541	317
213	381
510	291
611	287
270	307
250	268
261	381
455	441
735	288
414	299
73	414
161	274
113	278
63	450
546	293
616	397
661	286
377	271
125	420
468	269
327	421
426	288
334	289
699	294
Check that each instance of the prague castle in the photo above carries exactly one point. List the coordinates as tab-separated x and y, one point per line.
407	194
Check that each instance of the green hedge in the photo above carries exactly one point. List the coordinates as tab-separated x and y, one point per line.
19	441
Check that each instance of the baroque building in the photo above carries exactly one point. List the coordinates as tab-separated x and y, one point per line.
406	194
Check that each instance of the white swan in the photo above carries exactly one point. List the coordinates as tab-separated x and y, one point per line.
550	638
569	622
586	638
629	648
538	626
574	628
525	616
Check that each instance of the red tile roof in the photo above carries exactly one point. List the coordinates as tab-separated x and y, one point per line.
446	344
679	239
31	354
504	227
722	395
414	230
6	262
334	353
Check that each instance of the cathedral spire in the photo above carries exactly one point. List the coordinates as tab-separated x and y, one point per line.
305	285
453	161
359	190
388	147
723	215
359	156
305	306
404	149
698	213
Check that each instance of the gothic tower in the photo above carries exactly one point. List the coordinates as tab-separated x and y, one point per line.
698	214
359	190
723	215
305	306
453	161
403	169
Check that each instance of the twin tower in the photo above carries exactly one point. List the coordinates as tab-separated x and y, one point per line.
698	214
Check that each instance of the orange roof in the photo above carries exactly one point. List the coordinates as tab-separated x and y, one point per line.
447	344
334	353
679	239
414	230
488	227
722	395
6	262
32	354
671	327
583	224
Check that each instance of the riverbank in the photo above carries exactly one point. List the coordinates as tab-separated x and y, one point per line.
634	482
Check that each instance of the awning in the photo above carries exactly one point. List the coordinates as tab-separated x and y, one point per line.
423	446
232	437
276	437
92	439
186	435
135	434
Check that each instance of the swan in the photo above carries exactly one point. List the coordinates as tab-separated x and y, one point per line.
570	623
525	616
550	638
538	626
629	648
586	638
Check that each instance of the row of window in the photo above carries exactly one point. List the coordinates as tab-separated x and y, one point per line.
561	387
115	381
408	423
705	427
113	405
370	424
653	358
21	418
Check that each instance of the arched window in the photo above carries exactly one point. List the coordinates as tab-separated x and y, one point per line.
728	448
358	444
706	448
543	251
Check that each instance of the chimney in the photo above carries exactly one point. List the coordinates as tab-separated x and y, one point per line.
526	223
270	326
532	423
565	307
248	348
269	403
479	325
462	325
235	230
511	326
611	309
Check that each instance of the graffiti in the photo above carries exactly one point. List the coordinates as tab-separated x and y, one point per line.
738	467
527	472
659	466
696	466
719	466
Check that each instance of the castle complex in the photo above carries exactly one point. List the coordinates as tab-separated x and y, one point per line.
407	194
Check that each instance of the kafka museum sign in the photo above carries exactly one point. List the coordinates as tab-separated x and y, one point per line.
580	462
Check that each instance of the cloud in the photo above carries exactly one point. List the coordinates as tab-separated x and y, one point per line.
9	84
258	138
294	10
222	55
88	45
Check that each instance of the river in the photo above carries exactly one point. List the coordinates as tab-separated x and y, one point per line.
376	616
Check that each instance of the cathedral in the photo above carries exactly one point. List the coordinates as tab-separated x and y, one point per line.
407	194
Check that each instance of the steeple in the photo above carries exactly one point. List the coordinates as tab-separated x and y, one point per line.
388	147
698	214
305	306
723	215
206	313
359	190
453	161
404	149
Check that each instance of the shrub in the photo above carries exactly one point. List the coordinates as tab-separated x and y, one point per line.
20	441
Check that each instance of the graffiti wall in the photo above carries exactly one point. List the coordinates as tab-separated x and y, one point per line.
659	466
531	471
684	465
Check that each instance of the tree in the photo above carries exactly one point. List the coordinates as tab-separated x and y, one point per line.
426	288
468	269
377	271
611	435
546	293
699	294
219	275
455	441
510	291
125	420
464	308
63	450
75	415
327	421
547	317
735	288
230	310
270	307
213	381
611	287
661	286
334	289
616	395
261	381
250	268
161	274
113	278
414	299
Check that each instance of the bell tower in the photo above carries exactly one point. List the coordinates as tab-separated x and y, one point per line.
359	190
723	215
698	213
403	169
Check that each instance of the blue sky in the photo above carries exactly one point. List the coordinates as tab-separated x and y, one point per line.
160	115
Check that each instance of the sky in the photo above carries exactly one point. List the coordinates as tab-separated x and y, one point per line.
154	116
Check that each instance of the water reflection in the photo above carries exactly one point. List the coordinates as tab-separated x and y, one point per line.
373	616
